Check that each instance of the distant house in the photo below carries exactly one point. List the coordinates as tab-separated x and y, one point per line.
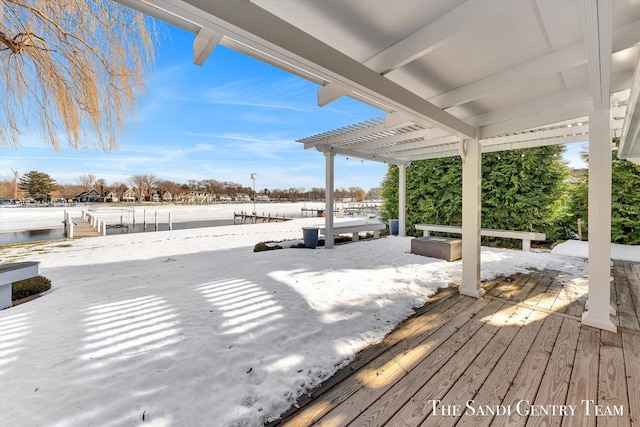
240	197
262	198
200	197
91	196
156	198
111	197
224	198
129	195
167	196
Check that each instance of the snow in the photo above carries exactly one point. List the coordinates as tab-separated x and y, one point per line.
191	327
581	249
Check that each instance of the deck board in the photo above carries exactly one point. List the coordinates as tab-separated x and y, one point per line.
555	382
612	388
448	342
631	350
522	341
584	377
475	375
417	408
526	383
633	277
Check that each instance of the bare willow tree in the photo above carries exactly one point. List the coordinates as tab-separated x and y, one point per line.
74	67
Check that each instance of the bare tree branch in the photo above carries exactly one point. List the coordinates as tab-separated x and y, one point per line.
74	67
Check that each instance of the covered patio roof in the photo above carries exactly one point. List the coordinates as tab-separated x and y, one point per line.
455	77
461	68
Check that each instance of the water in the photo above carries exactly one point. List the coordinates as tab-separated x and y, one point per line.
31	236
58	233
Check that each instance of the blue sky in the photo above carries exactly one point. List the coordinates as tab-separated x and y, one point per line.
225	120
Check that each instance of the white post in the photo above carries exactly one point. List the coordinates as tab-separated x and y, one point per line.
156	220
328	200
70	234
170	222
104	228
402	200
144	220
597	314
471	208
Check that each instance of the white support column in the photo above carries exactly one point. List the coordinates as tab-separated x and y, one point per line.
402	200
471	207
599	221
328	200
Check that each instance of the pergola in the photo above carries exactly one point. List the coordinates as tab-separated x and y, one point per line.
457	78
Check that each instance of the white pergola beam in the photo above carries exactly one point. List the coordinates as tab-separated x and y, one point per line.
389	140
551	63
597	19
536	120
249	23
329	93
430	37
363	156
532	106
555	62
395	120
204	43
631	125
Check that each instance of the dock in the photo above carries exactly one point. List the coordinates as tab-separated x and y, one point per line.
252	218
83	228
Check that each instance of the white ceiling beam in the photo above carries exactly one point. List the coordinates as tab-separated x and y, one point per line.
551	63
536	120
363	156
395	120
430	37
247	22
553	100
630	139
404	147
162	14
204	43
557	132
530	143
329	93
597	21
555	62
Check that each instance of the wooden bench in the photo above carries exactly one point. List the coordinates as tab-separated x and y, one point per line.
356	227
14	272
525	236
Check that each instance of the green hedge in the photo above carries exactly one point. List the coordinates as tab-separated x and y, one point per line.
28	287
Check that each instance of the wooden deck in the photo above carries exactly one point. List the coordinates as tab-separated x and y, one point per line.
518	356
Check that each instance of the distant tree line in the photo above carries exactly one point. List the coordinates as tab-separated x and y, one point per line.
40	186
525	190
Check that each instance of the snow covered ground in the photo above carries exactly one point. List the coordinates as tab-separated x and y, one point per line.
192	328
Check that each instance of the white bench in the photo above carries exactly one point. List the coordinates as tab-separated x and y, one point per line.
14	272
356	227
525	236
